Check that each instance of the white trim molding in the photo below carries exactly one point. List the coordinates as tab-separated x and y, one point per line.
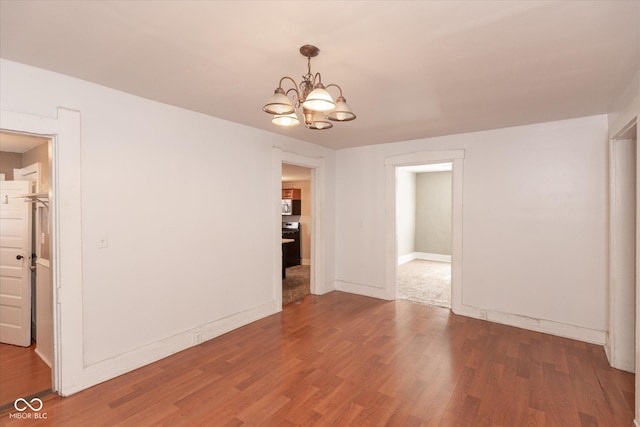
539	325
360	289
423	255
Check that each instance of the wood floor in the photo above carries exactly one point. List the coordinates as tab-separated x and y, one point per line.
342	359
22	373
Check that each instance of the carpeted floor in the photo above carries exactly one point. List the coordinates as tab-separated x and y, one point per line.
297	284
426	282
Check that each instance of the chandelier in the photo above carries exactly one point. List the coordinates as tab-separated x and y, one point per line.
318	106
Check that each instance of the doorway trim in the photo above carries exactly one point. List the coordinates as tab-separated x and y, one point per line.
317	270
456	157
620	345
66	237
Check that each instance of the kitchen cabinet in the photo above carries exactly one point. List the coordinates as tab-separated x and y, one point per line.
292	193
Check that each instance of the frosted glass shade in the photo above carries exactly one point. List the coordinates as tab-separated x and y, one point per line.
319	100
319	122
342	112
286	120
279	103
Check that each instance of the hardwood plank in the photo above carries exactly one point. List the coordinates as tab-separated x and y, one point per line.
342	359
22	373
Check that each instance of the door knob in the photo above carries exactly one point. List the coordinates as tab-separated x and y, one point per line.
19	257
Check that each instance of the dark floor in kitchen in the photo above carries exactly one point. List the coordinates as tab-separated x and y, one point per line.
297	284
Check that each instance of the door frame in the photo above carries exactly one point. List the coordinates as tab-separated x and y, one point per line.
66	237
456	157
620	345
317	166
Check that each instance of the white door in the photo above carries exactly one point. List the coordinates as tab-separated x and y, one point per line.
29	173
15	264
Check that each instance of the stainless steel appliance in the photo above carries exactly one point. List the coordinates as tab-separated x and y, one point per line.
291	207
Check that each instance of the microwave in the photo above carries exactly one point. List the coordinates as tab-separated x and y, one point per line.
291	207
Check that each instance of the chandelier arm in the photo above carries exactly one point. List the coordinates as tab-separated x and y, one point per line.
294	88
295	96
333	84
287	78
317	78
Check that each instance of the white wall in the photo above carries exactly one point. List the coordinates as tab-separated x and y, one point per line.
406	212
173	263
534	220
433	212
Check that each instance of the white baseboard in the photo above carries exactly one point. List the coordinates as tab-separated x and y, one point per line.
636	422
110	368
42	357
539	325
328	287
433	257
423	255
406	258
359	289
306	261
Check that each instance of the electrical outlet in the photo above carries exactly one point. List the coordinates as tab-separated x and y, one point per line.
197	337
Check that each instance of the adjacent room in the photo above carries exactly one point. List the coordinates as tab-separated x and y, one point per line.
26	305
434	222
423	206
296	229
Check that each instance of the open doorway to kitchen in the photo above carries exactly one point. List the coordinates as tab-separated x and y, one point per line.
296	232
26	289
423	224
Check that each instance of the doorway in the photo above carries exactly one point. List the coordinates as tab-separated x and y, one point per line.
26	364
423	224
456	158
296	226
620	344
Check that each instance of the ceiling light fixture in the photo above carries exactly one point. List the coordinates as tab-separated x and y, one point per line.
318	106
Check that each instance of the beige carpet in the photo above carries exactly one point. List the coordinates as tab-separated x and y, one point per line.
297	284
426	282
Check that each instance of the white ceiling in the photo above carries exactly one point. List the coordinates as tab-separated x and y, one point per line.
292	173
409	69
19	143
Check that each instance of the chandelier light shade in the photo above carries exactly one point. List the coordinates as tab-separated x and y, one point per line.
342	112
286	120
319	100
317	121
279	103
310	95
